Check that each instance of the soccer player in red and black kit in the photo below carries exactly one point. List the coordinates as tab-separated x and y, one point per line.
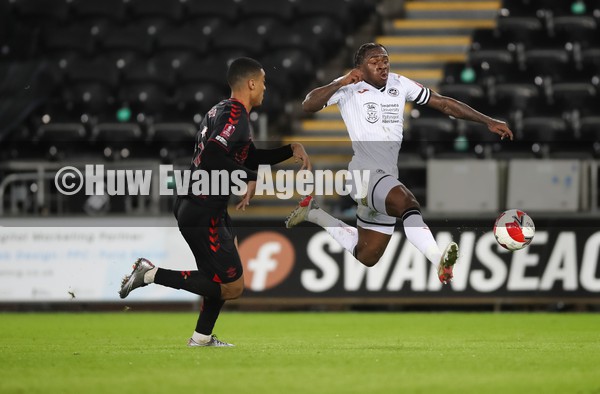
223	142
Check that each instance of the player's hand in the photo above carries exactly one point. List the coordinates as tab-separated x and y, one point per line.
353	76
301	155
247	197
501	128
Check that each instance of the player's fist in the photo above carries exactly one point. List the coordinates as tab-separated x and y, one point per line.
353	76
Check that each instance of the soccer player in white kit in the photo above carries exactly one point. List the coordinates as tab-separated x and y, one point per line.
371	101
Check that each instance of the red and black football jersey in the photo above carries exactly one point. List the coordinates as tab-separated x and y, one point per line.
223	141
226	125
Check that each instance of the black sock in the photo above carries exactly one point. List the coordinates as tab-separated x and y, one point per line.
192	281
209	314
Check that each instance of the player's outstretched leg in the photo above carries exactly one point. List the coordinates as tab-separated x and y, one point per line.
300	214
213	341
136	279
447	262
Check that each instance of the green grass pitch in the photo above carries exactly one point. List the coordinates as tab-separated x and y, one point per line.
301	353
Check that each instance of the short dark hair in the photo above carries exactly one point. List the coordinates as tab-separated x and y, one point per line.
359	56
240	69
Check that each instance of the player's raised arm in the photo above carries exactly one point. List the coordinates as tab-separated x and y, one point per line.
317	98
460	110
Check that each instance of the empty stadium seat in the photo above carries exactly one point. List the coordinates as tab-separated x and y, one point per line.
172	141
146	98
117	140
227	10
211	70
335	9
242	38
282	10
194	99
156	9
288	69
185	38
40	13
285	38
136	38
108	10
99	70
77	40
59	140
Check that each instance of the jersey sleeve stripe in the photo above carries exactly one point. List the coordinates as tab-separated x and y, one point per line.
423	97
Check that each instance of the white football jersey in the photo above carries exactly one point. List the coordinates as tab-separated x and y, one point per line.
375	117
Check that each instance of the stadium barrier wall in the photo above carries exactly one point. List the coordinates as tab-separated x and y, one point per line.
83	260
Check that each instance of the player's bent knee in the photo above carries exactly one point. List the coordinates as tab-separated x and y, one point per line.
233	290
368	258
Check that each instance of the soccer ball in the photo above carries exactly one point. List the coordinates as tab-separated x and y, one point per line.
514	229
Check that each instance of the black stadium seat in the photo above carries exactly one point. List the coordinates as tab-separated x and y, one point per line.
243	39
184	38
281	10
227	10
109	10
38	13
156	9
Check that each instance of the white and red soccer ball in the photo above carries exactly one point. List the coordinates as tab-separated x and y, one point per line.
514	229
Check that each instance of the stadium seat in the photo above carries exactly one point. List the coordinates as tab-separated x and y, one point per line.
432	131
156	9
192	99
467	93
227	10
281	10
263	26
172	141
153	70
133	38
327	31
589	124
143	98
242	38
287	38
577	28
335	9
211	70
545	124
40	13
77	40
60	140
488	48
288	69
99	70
117	140
573	95
186	38
527	31
513	86
88	98
107	10
547	62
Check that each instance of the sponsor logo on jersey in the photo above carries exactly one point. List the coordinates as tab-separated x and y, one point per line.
372	111
212	112
393	92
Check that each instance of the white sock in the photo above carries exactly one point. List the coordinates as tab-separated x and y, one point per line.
420	236
200	338
149	276
345	235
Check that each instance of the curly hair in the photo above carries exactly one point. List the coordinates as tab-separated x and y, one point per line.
359	56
